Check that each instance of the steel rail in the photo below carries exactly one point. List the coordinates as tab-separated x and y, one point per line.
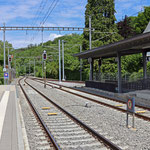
96	101
101	96
93	132
40	119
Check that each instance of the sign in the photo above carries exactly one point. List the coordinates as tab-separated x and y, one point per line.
4	69
89	59
131	105
5	75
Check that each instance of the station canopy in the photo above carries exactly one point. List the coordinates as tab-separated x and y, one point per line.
133	45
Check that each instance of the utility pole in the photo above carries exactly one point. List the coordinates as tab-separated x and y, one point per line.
90	33
59	62
63	77
4	53
80	64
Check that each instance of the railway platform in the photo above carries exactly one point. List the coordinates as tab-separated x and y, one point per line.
11	137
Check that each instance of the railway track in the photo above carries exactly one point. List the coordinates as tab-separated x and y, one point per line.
140	112
46	139
67	131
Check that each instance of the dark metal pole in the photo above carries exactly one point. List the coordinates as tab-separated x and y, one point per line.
45	74
119	73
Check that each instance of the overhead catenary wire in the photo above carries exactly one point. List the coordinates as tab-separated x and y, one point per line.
51	8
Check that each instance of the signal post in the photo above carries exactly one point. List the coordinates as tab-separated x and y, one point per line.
44	59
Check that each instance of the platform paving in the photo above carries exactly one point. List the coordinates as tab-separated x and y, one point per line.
10	127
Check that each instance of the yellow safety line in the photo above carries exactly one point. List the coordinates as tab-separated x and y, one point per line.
119	105
45	108
52	113
143	111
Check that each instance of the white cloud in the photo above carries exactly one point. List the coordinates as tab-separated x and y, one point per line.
54	36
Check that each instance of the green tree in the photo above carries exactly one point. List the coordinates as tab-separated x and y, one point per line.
103	21
141	21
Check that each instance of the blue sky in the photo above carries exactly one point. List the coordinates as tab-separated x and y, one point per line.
66	13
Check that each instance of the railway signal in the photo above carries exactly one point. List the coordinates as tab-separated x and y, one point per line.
9	58
44	55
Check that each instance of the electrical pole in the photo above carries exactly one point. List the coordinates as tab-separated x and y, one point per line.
80	64
63	77
59	62
90	33
4	53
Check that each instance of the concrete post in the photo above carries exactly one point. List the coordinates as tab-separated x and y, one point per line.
144	65
63	69
119	73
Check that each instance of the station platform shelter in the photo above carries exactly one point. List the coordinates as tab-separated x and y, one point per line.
11	137
133	45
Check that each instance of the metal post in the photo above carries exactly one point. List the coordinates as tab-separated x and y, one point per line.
144	65
29	67
34	67
133	120
63	69
119	73
59	62
45	74
42	37
4	52
90	33
127	120
10	72
42	67
80	64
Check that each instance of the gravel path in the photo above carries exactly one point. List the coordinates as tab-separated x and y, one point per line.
106	121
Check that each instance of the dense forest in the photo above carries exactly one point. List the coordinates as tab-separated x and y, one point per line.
107	30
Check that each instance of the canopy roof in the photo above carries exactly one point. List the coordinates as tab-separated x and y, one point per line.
136	44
